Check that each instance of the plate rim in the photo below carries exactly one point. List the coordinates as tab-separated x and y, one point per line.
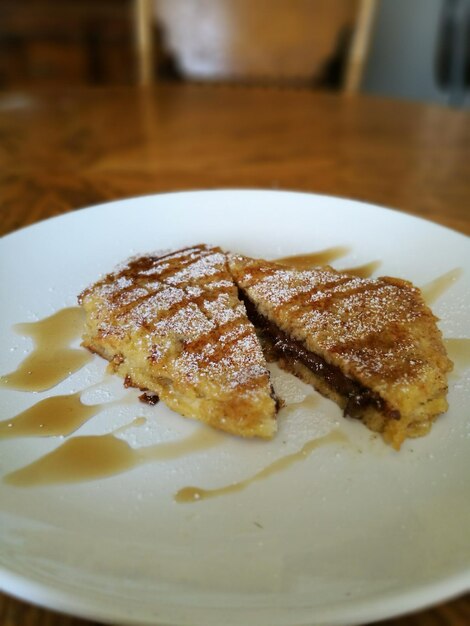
230	190
366	610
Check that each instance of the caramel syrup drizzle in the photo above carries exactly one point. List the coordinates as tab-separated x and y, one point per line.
435	288
362	271
458	349
84	458
52	359
92	457
194	494
314	259
57	415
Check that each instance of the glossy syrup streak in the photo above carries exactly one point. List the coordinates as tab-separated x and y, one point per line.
312	259
92	457
83	458
362	271
55	416
58	415
316	259
52	359
458	349
193	494
434	289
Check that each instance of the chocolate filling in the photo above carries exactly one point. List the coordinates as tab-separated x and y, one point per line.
358	397
149	398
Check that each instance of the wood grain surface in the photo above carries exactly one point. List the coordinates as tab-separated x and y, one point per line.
63	150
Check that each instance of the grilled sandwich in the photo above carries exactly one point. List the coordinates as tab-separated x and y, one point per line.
173	325
370	345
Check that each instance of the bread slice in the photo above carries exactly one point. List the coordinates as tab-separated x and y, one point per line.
371	345
174	325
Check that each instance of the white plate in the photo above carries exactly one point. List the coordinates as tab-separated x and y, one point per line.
355	532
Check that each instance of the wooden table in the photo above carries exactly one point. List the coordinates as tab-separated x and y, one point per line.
73	148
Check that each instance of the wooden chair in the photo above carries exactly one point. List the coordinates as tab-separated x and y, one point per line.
281	42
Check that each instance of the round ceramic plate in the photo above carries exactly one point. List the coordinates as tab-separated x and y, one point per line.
348	532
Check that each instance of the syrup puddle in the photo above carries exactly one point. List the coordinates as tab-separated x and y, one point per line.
52	359
433	290
93	457
194	494
314	259
362	271
59	415
55	416
458	350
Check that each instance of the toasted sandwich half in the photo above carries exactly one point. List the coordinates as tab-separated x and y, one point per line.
174	325
371	345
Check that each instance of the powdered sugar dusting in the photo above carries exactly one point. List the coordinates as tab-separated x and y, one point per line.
201	269
221	311
237	364
378	331
183	310
186	324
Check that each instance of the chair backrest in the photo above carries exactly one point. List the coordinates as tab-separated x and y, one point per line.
299	42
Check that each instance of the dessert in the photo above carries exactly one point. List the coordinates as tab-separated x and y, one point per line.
371	345
173	325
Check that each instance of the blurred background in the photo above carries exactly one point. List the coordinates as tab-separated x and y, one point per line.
408	49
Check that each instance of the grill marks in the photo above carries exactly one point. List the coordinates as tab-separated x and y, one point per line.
186	293
182	333
372	345
283	347
219	339
323	303
332	292
365	314
130	292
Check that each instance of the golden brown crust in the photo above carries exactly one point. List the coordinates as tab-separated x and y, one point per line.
379	332
173	324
